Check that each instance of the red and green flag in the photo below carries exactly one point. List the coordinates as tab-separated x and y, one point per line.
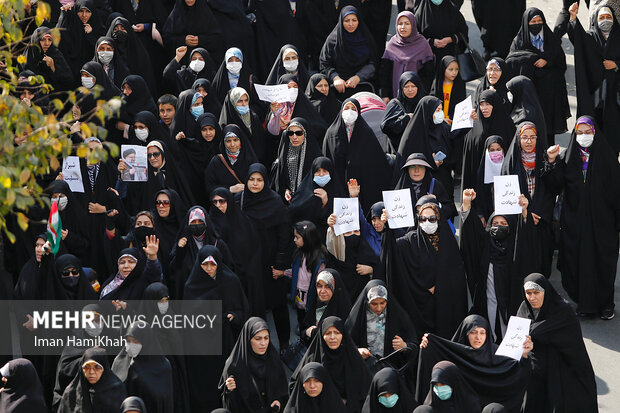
54	228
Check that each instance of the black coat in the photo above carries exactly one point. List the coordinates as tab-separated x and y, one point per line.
437	22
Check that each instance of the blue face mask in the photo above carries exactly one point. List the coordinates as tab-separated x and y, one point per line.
198	110
437	2
322	180
389	401
243	109
443	392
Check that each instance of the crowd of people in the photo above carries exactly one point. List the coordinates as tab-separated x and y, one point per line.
236	204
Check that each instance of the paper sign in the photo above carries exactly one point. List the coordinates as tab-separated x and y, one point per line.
72	174
507	193
347	215
462	115
134	157
399	209
274	93
512	344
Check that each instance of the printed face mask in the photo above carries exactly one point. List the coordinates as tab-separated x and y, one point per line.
500	232
497	156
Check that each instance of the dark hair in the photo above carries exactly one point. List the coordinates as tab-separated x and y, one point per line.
167	99
313	249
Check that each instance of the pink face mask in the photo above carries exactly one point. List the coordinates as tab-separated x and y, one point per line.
497	156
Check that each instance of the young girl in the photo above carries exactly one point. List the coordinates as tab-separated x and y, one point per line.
308	261
448	86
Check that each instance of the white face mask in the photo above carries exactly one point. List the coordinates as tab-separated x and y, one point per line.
88	82
163	307
197	65
133	349
62	202
429	227
349	116
290	65
585	140
509	96
105	57
142	134
94	331
234	67
438	117
293	92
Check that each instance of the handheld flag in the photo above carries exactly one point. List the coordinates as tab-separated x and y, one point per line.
54	228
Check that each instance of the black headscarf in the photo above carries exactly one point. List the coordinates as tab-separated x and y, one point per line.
140	99
525	104
415	138
249	368
499	123
493	378
458	85
398	109
186	76
305	205
397	321
346	53
230	116
439	21
56	288
560	358
345	365
133	403
62	78
22	393
293	163
118	63
157	132
105	395
184	121
360	157
265	206
109	89
484	192
327	106
27	285
387	380
147	375
327	401
76	44
134	53
339	305
210	102
278	70
499	86
135	282
463	400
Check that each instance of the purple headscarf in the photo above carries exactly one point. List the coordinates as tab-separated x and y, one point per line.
586	120
407	53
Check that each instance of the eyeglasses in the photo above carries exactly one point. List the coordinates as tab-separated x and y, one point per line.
219	201
295	132
70	272
432	219
529	138
163	202
92	367
494	70
153	155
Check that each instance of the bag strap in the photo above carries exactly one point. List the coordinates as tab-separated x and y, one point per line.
228	167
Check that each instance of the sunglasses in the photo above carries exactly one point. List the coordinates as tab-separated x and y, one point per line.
295	132
432	219
165	202
219	201
154	155
70	272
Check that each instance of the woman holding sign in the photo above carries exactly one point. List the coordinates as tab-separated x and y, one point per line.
431	274
562	379
525	158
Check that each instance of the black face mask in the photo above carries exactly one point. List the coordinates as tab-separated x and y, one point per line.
140	233
119	36
535	28
352	241
197	229
500	232
69	282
